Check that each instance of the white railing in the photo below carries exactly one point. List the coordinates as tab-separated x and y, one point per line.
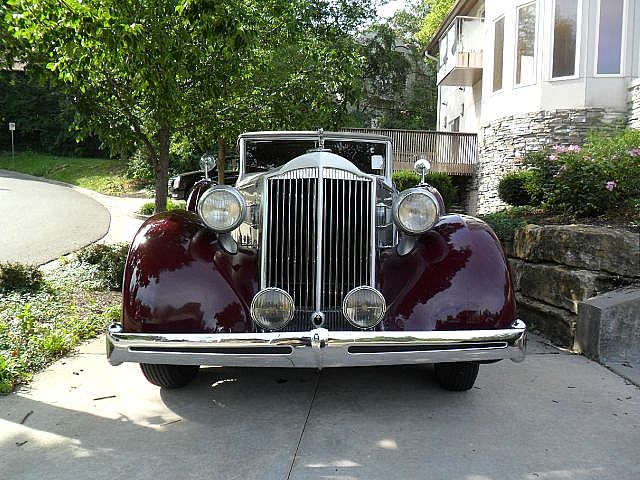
466	34
450	152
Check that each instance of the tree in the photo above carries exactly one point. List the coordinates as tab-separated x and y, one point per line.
438	10
142	71
127	64
400	87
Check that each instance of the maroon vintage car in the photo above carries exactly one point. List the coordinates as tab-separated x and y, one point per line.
314	259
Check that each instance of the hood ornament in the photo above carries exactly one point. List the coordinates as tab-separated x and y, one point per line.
320	147
421	167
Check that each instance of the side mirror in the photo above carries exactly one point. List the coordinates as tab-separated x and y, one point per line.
207	162
421	167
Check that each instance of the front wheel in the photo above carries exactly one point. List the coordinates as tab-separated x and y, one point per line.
169	376
458	376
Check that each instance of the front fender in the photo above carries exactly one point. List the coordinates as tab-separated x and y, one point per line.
178	279
456	278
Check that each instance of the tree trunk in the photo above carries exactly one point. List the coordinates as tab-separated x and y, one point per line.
162	169
222	150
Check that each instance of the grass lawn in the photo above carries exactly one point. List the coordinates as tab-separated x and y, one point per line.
102	175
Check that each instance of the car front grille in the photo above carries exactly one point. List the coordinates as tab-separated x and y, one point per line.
318	240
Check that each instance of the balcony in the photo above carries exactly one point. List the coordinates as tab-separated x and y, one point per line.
448	152
461	52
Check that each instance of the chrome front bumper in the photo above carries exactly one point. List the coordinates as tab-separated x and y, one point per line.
317	348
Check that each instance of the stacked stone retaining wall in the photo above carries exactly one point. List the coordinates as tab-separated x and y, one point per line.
502	143
557	268
634	104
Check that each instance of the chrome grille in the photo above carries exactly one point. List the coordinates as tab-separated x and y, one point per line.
314	220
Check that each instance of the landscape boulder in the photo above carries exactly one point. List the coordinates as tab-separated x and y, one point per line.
587	247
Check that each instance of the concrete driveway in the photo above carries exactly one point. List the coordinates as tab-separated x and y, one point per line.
556	416
41	220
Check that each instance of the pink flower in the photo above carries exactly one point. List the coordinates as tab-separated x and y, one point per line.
553	157
611	185
573	148
634	152
559	148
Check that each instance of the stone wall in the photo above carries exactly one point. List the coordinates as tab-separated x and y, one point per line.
557	268
634	104
502	143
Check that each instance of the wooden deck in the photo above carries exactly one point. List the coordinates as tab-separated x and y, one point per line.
449	152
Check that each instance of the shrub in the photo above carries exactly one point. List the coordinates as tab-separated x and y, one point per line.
441	181
503	224
150	207
110	260
16	276
404	179
515	187
602	176
140	169
183	157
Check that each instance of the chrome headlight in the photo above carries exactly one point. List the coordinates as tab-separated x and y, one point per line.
222	208
415	210
272	308
364	307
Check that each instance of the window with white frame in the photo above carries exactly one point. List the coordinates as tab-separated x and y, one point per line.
498	53
526	44
610	18
565	34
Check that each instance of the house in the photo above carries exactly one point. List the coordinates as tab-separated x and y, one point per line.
523	74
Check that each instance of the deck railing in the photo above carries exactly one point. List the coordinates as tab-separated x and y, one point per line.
450	152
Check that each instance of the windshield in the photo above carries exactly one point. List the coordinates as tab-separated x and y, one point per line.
264	155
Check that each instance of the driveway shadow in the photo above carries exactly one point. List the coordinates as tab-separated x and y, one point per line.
517	423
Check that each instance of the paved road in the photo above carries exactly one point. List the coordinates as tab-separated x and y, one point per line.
39	220
556	416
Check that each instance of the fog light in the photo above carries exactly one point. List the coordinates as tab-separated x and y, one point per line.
272	308
364	307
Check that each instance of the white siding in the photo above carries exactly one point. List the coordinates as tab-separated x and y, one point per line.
583	90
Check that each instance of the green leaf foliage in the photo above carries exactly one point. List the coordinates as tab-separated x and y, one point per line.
441	181
110	262
515	188
17	276
504	224
437	13
600	177
42	115
141	72
38	326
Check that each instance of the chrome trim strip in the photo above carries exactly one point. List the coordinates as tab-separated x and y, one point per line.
319	238
372	234
264	235
317	348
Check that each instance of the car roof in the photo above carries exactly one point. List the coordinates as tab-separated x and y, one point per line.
310	134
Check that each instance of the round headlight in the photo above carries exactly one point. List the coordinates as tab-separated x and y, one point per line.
364	307
415	210
272	308
222	208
